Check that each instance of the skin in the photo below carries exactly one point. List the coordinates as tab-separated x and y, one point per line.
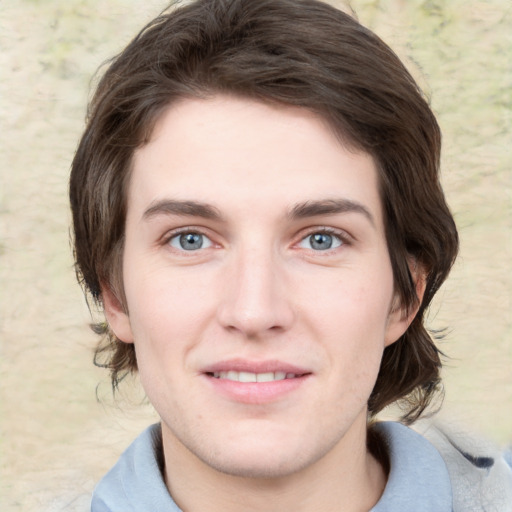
256	183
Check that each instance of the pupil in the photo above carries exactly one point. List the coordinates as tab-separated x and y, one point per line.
321	241
191	241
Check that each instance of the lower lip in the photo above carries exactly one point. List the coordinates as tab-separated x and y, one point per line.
256	392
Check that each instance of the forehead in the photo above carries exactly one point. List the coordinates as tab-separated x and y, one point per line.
231	152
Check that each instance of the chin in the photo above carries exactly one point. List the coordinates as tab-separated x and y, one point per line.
263	460
263	468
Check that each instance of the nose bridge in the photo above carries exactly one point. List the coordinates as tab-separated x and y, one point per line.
255	300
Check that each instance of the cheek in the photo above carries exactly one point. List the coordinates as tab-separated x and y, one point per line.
162	297
169	314
351	308
350	321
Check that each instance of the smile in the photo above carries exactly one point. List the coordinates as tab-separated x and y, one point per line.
255	382
253	377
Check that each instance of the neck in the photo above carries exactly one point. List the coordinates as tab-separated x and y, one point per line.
348	474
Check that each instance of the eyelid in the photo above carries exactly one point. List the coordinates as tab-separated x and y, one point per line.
173	233
176	241
345	238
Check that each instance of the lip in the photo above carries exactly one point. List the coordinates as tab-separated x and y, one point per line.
243	365
256	393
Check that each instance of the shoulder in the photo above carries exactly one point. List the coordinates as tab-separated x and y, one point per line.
480	474
135	483
418	477
441	469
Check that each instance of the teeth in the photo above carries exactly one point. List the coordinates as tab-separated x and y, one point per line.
253	377
245	376
232	375
265	377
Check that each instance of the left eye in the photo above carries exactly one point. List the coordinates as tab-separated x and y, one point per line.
190	241
321	241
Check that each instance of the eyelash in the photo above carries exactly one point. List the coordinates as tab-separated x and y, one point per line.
189	230
343	238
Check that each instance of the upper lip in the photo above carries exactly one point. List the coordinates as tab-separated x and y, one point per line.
243	365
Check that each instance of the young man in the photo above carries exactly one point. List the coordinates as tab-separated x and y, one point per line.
257	209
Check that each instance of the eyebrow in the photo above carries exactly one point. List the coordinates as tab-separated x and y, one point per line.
299	211
329	207
182	208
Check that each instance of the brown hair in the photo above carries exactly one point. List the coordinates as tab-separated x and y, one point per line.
298	52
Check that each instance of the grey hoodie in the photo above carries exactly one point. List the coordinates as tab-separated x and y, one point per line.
435	475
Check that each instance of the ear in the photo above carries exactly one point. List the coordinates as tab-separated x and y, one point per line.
399	317
117	318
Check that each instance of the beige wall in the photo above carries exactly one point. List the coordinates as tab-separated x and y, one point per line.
56	440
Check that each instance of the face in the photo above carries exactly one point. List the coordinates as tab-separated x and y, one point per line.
258	285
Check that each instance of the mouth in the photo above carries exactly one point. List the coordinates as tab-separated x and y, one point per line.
255	382
236	376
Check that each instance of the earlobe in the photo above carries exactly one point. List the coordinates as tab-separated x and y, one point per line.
400	317
117	318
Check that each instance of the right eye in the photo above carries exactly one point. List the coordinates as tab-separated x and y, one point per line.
190	241
322	240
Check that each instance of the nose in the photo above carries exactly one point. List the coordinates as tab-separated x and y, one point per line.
256	299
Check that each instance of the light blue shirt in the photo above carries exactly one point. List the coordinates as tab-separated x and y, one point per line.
419	480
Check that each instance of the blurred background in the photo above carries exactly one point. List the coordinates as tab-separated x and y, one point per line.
60	429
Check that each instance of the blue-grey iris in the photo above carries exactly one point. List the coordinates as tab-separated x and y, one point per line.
321	241
191	241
